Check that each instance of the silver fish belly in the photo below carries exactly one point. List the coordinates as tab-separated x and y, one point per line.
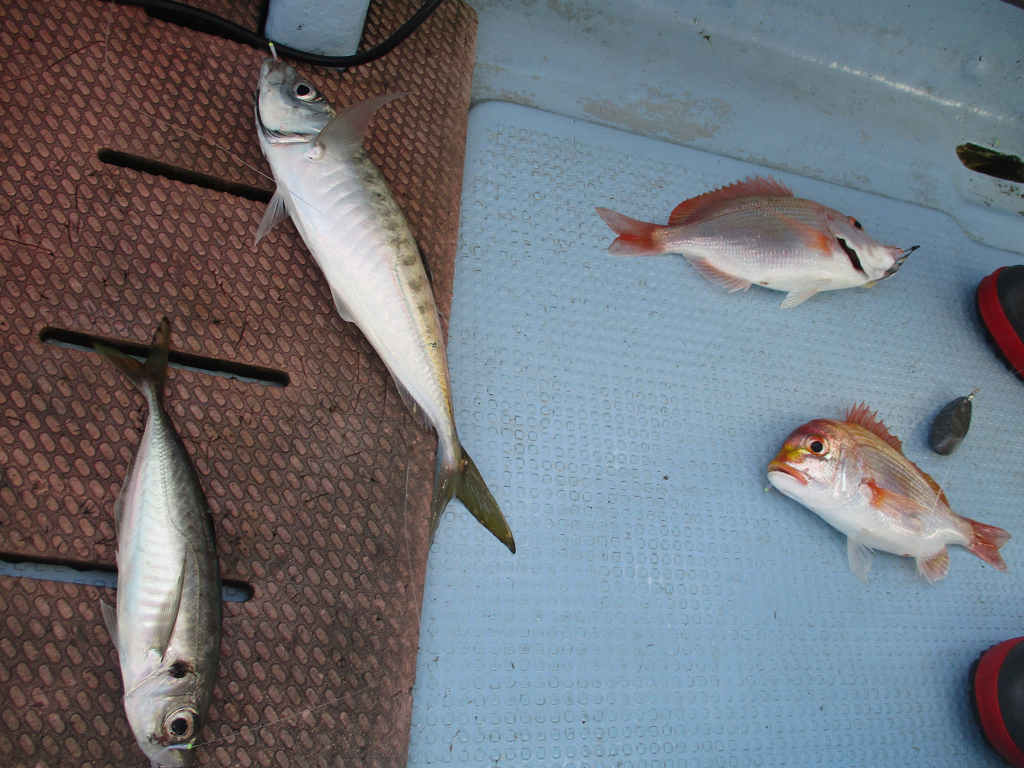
348	218
167	624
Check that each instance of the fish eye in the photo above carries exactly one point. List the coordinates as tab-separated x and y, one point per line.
856	223
180	668
817	445
305	92
180	724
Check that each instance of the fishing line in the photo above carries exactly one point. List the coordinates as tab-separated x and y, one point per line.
203	21
257	728
405	524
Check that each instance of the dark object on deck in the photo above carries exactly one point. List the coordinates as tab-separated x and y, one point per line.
950	426
997	694
1000	304
992	163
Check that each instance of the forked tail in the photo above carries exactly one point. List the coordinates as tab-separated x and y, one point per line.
986	541
151	375
635	237
463	481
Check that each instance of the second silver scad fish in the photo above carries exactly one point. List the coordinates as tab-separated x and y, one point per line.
755	232
349	219
167	624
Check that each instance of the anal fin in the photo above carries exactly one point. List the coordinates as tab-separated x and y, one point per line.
414	407
935	567
343	308
717	276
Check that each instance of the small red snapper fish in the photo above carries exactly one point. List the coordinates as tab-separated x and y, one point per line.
757	232
854	475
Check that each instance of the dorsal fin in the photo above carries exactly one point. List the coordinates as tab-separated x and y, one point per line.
864	417
689	211
347	128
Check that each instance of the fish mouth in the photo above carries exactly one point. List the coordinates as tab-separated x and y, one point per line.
901	257
269	66
265	69
796	474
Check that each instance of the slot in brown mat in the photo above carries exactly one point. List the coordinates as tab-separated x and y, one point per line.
320	490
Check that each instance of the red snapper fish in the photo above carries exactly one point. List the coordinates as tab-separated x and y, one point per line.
854	475
757	232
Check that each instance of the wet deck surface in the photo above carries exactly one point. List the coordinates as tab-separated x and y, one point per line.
319	489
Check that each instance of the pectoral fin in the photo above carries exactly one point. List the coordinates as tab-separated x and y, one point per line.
110	620
799	296
906	509
860	558
276	213
346	130
811	238
168	614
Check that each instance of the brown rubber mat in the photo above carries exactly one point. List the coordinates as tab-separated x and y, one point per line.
320	490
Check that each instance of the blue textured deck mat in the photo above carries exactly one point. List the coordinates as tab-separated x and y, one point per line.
664	609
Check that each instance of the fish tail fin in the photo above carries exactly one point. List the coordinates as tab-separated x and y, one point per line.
986	541
635	238
462	480
151	375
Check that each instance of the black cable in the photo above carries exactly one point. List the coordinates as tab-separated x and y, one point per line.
204	21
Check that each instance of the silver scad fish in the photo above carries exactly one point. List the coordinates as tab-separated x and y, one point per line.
349	219
167	624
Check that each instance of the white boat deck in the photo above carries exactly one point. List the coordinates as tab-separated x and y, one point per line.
664	609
